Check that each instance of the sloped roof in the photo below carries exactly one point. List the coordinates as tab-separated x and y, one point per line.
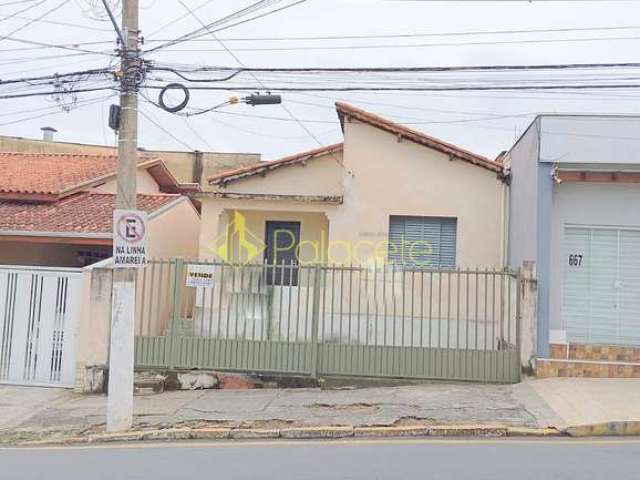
80	213
50	176
263	167
346	111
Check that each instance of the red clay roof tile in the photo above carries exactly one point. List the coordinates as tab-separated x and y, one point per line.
47	176
85	212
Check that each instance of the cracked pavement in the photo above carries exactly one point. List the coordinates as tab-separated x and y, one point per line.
39	411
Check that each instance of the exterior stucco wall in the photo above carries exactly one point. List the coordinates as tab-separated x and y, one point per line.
145	184
588	205
379	177
523	196
596	139
314	231
174	232
185	167
319	176
218	213
385	177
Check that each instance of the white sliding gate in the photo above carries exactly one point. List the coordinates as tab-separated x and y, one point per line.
39	310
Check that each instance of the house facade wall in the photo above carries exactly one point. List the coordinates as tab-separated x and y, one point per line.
384	177
319	176
145	184
377	177
218	214
522	160
174	232
540	208
589	139
590	205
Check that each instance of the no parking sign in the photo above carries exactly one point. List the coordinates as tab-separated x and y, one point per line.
129	238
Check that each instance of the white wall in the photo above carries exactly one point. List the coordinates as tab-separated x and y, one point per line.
523	198
588	204
590	139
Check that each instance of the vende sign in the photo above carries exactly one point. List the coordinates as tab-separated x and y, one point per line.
200	276
129	238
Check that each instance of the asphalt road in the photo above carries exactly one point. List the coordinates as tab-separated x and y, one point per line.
357	459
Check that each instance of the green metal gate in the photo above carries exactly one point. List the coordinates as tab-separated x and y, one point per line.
381	321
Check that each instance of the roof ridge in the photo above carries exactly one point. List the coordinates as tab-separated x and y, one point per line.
425	139
60	154
290	159
149	194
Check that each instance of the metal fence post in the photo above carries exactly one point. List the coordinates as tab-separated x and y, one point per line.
315	322
175	313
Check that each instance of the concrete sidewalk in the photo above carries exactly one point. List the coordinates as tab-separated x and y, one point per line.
32	413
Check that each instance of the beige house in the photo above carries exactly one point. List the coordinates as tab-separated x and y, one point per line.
56	209
185	166
387	193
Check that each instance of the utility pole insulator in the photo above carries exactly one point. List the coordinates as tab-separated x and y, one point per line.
268	99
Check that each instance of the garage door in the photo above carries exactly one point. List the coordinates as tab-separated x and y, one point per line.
39	311
601	288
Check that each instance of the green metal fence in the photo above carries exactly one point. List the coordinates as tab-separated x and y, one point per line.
379	321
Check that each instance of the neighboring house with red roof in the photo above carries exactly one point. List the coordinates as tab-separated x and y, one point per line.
386	186
56	209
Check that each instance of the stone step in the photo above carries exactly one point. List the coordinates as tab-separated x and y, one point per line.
596	353
549	367
146	385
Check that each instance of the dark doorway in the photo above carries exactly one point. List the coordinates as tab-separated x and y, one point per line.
283	240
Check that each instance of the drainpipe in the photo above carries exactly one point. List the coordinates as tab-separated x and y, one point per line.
198	166
504	220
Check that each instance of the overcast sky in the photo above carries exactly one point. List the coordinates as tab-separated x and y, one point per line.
449	113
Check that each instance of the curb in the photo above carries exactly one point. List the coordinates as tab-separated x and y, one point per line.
309	433
607	429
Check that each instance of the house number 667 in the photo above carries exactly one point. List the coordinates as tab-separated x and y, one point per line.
575	259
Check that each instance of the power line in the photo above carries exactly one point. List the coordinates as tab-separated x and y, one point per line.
15	2
237	59
183	39
418	89
15	14
57	76
339	37
50	45
66	24
45	14
57	112
409	45
205	27
148	117
176	20
44	94
413	35
424	69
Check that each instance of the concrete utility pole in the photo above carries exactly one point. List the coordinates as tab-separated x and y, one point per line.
121	355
